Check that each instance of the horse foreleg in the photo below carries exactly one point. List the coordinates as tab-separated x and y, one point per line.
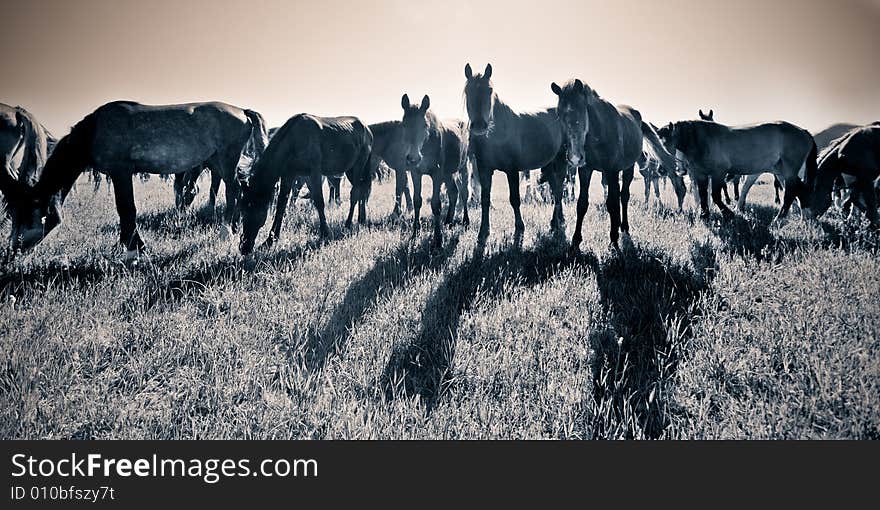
485	175
215	187
513	183
281	206
702	182
791	186
317	196
584	176
647	179
627	177
776	187
718	185
123	191
400	187
417	201
736	179
464	198
435	210
744	192
452	191
723	182
555	179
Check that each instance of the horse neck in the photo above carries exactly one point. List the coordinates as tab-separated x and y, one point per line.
502	115
67	162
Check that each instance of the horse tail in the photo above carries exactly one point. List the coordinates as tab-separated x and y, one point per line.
652	144
34	146
259	138
812	164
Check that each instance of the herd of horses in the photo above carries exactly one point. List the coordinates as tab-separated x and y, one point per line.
582	133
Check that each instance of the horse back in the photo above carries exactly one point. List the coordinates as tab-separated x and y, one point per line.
614	140
522	141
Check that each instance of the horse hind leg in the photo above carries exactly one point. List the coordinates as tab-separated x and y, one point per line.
612	204
791	189
515	201
435	210
718	184
744	192
452	191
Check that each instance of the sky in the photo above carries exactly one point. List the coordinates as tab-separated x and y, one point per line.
810	62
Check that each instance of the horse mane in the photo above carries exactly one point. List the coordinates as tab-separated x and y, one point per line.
35	146
71	156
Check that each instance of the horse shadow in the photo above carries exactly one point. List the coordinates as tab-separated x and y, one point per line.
387	274
649	300
424	366
16	281
168	291
752	237
647	297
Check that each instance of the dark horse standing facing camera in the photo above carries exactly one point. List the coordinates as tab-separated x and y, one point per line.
435	148
607	138
513	142
122	138
312	147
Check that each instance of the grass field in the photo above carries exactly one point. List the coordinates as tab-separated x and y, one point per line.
693	330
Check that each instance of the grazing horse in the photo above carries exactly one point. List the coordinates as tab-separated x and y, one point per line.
855	157
306	146
24	145
736	179
512	142
122	138
388	147
436	148
714	150
652	171
605	138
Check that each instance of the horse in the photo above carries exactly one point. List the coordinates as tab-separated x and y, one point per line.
500	138
122	138
713	150
388	148
854	157
652	171
436	148
24	148
605	138
736	179
306	146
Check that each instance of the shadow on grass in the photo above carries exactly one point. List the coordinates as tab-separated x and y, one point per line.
168	290
649	301
644	293
387	274
18	280
424	366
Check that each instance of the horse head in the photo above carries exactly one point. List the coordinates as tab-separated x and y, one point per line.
572	105
414	128
479	100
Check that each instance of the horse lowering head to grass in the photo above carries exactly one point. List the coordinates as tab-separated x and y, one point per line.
306	146
605	138
24	145
855	157
712	151
512	142
122	138
436	148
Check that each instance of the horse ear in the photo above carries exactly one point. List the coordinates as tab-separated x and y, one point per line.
555	88
702	115
488	72
404	101
468	72
426	103
578	85
711	114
